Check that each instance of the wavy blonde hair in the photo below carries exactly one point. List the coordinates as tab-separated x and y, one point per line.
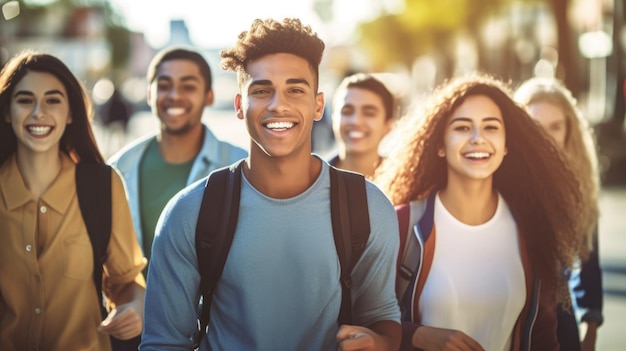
579	144
535	178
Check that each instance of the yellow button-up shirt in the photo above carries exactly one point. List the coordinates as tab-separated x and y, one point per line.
48	298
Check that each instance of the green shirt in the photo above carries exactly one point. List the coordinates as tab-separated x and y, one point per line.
158	182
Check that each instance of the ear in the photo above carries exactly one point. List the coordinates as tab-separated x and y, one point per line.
319	106
441	153
506	150
148	96
208	99
238	108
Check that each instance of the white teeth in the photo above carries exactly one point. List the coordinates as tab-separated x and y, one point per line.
39	130
175	111
280	125
356	134
477	155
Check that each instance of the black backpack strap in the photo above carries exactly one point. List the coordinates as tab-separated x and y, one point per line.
93	188
351	229
217	222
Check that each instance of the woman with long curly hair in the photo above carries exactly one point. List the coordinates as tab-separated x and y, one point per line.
500	222
551	104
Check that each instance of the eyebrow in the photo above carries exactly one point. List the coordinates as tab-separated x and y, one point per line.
467	119
289	81
30	93
184	78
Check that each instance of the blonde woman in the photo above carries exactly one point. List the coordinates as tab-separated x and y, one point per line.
552	105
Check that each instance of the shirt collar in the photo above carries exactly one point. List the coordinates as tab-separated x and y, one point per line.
58	197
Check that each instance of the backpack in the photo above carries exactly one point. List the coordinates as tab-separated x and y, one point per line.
410	254
218	221
93	188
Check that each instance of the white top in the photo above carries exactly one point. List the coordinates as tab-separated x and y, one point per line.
476	283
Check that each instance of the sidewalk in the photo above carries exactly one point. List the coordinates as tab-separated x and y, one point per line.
612	238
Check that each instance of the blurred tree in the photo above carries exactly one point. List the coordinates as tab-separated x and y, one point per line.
431	27
56	15
567	69
423	27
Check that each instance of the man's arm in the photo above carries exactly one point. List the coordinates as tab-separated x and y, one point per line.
374	297
173	278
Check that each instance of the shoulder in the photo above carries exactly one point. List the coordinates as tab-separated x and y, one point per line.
130	152
187	201
212	143
376	196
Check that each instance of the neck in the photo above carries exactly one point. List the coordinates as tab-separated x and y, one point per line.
364	163
472	203
284	177
38	169
180	148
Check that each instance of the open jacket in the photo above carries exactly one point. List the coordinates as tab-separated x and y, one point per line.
214	154
535	328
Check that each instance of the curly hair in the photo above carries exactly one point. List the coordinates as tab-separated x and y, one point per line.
579	143
269	36
78	140
534	178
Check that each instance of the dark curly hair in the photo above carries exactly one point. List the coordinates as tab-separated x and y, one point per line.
534	178
271	37
78	140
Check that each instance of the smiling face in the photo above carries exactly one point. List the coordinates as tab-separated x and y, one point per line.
279	103
360	120
552	120
39	112
177	95
474	140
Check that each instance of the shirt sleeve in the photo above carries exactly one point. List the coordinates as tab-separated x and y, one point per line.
173	278
587	286
374	275
124	258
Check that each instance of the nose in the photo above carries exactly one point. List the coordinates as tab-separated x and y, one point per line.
477	137
173	93
278	103
38	112
351	118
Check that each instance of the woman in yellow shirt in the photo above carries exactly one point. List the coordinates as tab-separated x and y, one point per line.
48	298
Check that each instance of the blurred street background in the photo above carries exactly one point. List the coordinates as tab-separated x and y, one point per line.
414	44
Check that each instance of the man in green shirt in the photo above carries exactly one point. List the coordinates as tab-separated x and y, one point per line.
183	150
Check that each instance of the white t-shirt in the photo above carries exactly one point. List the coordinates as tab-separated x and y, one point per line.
476	283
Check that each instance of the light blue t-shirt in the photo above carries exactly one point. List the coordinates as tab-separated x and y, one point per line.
280	288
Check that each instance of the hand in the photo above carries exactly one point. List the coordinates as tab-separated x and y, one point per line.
122	322
353	338
589	340
439	339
